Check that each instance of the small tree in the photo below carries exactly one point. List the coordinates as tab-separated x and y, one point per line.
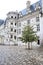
28	35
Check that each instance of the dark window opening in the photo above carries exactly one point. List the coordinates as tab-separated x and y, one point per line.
15	23
11	23
15	17
11	36
38	42
14	37
11	16
11	29
14	30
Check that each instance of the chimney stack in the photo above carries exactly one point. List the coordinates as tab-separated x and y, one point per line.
28	6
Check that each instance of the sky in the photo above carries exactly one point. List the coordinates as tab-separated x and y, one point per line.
12	5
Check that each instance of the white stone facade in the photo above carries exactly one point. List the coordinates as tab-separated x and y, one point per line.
15	23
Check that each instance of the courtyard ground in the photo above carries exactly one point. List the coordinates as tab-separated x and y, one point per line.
19	55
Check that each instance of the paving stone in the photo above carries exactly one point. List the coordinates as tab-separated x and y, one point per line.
15	55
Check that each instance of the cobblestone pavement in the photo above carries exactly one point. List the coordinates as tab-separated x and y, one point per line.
16	55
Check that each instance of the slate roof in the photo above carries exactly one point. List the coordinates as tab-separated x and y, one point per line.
23	12
1	22
32	8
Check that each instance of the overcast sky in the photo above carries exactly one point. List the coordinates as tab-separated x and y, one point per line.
12	5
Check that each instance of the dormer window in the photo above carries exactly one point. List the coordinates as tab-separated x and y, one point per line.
11	16
37	5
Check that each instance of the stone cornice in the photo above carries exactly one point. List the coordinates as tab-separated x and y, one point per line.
29	15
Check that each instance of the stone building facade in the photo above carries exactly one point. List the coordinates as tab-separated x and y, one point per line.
15	22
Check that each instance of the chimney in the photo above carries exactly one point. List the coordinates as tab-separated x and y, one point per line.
28	6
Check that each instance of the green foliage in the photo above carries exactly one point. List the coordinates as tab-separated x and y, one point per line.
28	35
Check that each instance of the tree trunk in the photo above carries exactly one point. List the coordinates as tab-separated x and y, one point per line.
28	45
31	45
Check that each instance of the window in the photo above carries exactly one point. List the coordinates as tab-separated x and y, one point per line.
11	29
11	23
37	5
15	30
15	24
38	27
19	24
11	36
28	21
11	16
14	37
15	17
37	19
18	39
19	31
